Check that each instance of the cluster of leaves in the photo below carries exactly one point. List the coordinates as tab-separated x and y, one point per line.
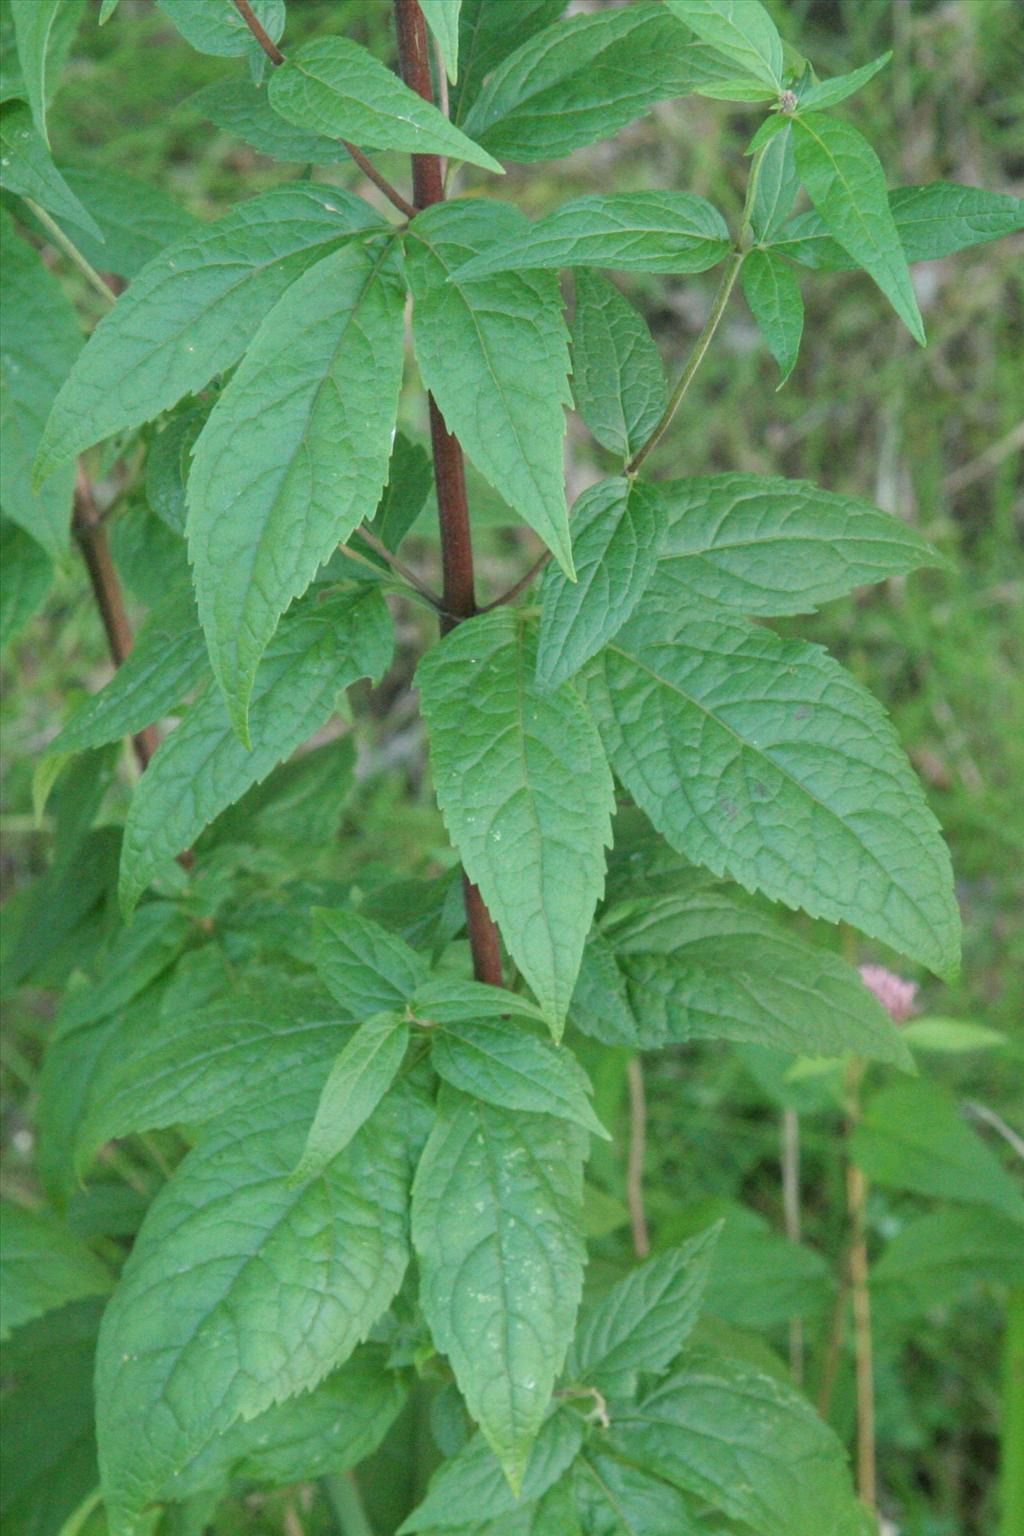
349	1098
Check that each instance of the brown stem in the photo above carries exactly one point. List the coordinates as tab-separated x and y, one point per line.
520	585
856	1204
637	1158
255	26
449	466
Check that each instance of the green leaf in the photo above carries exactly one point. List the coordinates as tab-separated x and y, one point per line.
41	342
169	460
366	969
829	93
742	30
502	1064
43	1266
763	759
496	1210
202	767
773	293
615	1499
617	527
777	185
122	969
448	1000
442	17
410	481
107	9
845	181
166	663
581	80
939	219
912	1137
934	1259
292	459
950	1036
525	792
630	231
505	399
488	32
243	1289
335	87
192	311
745	1443
617	376
243	109
471	1488
216	27
642	1323
765	545
44	30
28	575
26	168
358	1080
137	220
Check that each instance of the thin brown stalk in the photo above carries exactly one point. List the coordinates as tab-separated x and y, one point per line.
790	1158
637	1158
856	1205
521	585
400	568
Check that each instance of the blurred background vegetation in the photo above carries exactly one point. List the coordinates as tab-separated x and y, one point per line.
935	436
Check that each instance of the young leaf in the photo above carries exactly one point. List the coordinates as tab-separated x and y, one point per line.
776	187
229	1243
442	17
845	181
43	1266
137	220
617	528
525	793
410	481
829	93
615	1499
488	32
44	31
617	377
741	30
202	767
364	968
358	1080
773	293
495	1218
26	168
643	1322
447	1000
505	399
193	310
630	231
764	545
28	574
292	459
243	109
581	80
169	461
217	28
764	760
336	87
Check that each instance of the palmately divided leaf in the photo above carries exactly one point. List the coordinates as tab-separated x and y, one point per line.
356	1083
294	455
629	231
617	376
42	1266
202	767
505	401
525	792
192	311
336	87
243	1289
764	760
741	30
364	967
26	168
773	294
496	1212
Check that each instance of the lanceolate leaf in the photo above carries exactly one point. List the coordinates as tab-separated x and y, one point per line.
773	293
449	1000
496	1226
243	1289
617	377
293	457
846	184
616	1499
358	1080
829	93
28	573
336	87
777	186
630	231
26	168
244	110
525	792
44	30
442	17
364	967
192	311
43	1266
488	32
741	30
137	220
764	760
617	528
216	26
505	399
202	767
932	221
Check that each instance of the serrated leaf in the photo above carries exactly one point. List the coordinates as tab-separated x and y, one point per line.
765	545
643	1322
243	109
829	93
44	31
495	1217
525	793
442	17
764	760
742	30
166	663
747	1444
773	293
356	1083
364	967
41	340
617	376
615	1499
28	574
336	87
630	231
43	1266
293	458
185	1348
505	400
216	26
777	184
844	179
503	1064
26	168
617	529
448	1000
137	220
939	219
202	767
581	80
488	33
192	311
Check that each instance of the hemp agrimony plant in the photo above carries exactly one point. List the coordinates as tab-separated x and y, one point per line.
374	1185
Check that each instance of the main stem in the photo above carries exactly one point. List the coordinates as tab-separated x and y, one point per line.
449	467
